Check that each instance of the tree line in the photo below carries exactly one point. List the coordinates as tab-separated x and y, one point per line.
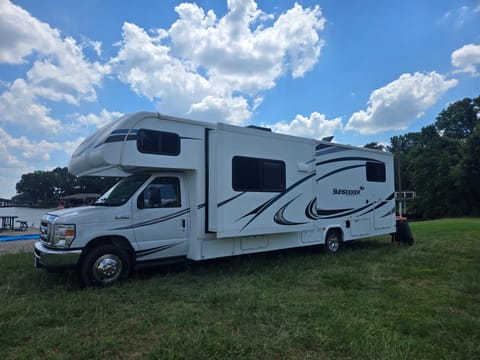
441	163
46	188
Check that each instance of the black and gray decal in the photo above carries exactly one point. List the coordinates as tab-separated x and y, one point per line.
146	252
279	217
260	209
155	221
120	135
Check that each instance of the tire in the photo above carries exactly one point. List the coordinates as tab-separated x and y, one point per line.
105	265
333	241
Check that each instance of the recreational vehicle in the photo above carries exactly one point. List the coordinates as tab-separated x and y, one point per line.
196	190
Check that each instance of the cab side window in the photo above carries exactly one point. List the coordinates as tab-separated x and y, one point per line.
162	192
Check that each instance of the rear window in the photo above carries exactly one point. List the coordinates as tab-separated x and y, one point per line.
376	171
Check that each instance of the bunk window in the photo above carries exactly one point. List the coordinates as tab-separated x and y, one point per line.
158	142
376	171
258	175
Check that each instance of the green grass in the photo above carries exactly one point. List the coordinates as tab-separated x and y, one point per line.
374	300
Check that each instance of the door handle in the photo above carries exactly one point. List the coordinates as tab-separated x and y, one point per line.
184	223
122	217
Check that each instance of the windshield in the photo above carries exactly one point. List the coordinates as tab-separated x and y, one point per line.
122	191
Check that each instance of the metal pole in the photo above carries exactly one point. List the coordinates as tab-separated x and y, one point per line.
399	182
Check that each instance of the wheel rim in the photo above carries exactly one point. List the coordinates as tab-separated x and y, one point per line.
107	268
332	243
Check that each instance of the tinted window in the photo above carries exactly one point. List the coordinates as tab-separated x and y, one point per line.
158	142
162	192
255	174
376	171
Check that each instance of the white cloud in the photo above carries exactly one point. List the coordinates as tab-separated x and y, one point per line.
18	105
25	149
98	121
95	45
233	110
214	69
66	75
315	126
396	105
460	16
17	154
22	34
467	59
59	70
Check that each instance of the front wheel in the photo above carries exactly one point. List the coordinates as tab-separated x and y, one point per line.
105	265
333	241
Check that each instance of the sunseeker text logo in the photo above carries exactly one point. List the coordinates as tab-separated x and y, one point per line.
347	192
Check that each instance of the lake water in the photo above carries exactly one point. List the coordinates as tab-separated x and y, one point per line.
31	215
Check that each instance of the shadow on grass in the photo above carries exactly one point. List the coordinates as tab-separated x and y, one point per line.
243	264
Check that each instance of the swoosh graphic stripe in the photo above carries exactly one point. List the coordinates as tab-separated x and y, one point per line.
347	213
155	221
349	158
147	252
321	212
220	204
279	217
265	206
329	151
313	213
391	212
383	203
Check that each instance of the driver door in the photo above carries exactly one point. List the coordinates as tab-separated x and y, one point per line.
161	218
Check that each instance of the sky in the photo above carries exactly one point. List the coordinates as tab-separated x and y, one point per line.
362	71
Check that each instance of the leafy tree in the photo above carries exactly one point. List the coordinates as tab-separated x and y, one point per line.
459	119
429	165
434	174
470	170
403	143
38	186
94	184
375	146
47	187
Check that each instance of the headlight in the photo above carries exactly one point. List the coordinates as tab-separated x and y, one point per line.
63	236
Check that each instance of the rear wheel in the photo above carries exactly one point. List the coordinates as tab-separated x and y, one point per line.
333	241
105	265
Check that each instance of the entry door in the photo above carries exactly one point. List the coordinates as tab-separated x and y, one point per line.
161	218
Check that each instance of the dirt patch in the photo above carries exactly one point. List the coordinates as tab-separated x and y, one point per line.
8	247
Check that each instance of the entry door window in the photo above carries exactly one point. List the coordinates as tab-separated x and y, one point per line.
162	192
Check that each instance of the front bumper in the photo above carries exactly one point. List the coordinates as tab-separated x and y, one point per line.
54	258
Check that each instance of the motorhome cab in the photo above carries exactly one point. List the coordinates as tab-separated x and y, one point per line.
194	190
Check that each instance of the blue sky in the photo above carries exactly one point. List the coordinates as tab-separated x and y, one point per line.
361	71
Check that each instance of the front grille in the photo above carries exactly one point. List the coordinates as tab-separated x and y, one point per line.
45	231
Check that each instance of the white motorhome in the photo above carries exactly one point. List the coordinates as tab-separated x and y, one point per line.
196	190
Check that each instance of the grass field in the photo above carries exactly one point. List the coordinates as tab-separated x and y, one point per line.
374	300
